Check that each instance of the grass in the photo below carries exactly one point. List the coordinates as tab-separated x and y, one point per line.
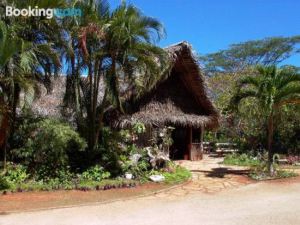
260	176
83	185
259	169
179	175
240	160
105	184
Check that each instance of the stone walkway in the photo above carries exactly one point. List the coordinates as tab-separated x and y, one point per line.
208	176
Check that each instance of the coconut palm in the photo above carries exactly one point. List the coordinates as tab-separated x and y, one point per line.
272	88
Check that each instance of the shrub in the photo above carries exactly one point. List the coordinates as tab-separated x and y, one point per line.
15	173
4	184
95	173
48	147
176	174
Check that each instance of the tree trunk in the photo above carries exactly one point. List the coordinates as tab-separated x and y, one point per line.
4	129
270	142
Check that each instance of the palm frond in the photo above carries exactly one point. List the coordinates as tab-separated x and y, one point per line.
286	78
249	80
240	95
287	92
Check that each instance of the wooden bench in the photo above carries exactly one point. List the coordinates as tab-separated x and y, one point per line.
224	148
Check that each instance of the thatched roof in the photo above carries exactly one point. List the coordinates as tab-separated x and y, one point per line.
50	103
179	99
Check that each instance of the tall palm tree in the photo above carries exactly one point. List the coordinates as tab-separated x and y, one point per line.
114	47
131	48
16	59
26	55
272	88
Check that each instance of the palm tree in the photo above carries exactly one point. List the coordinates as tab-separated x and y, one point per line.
113	47
131	48
272	88
26	55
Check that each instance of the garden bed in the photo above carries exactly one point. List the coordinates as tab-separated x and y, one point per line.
258	169
37	200
28	197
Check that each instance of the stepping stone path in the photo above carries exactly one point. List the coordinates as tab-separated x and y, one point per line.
209	176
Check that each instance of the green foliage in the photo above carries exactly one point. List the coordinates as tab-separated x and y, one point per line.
136	162
15	173
162	139
247	127
122	40
240	160
113	146
47	150
176	174
261	172
272	89
55	184
105	184
239	56
287	136
95	173
4	184
139	128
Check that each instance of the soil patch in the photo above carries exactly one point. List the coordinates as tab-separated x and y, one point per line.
28	201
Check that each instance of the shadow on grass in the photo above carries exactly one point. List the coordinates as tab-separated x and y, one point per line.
222	172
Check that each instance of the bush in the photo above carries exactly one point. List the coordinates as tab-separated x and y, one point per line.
4	184
48	148
177	174
15	173
95	173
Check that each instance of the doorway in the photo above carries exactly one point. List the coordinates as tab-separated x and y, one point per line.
179	148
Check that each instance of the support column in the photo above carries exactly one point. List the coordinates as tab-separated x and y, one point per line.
189	143
201	139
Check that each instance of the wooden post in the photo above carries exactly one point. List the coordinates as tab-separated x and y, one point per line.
201	139
189	143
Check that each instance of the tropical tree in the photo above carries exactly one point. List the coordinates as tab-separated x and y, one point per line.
240	56
26	56
272	88
113	48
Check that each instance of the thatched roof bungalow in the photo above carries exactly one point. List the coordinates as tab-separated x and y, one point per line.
179	100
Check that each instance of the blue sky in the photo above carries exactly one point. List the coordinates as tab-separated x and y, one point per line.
211	25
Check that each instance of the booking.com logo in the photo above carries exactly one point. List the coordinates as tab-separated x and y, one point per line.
48	13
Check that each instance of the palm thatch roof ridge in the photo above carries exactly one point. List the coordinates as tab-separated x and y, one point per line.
180	98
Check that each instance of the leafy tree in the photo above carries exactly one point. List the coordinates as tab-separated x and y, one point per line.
240	56
273	88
